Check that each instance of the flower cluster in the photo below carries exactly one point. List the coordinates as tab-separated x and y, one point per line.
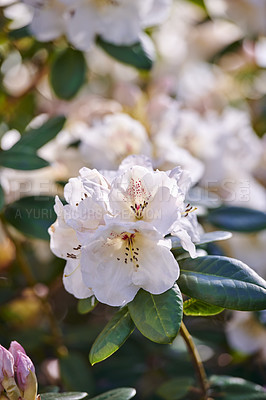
117	21
17	374
112	231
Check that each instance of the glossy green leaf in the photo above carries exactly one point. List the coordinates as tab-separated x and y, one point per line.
175	389
232	388
76	372
87	305
22	159
68	73
222	281
64	396
32	215
19	33
36	138
2	198
115	333
134	55
199	308
158	317
238	219
117	394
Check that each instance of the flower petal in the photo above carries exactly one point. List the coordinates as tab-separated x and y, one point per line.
73	280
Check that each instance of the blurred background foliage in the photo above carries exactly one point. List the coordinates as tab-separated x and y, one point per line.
35	310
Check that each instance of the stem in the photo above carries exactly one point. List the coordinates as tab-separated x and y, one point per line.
202	378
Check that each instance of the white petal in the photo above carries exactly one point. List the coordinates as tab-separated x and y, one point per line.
74	191
111	281
157	13
134	160
73	282
82	27
121	25
158	270
63	240
47	24
185	241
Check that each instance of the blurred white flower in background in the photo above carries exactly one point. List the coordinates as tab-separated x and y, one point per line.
108	141
119	22
246	334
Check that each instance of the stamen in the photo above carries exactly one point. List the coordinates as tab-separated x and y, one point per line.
71	255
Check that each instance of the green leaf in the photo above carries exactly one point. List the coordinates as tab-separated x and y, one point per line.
32	215
68	73
199	308
175	389
76	372
134	55
117	394
87	305
2	198
222	281
115	333
232	388
238	219
64	396
20	33
36	138
22	159
158	317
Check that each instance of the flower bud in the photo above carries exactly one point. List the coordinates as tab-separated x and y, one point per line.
7	379
14	348
6	364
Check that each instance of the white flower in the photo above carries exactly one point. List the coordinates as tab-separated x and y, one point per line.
126	257
151	196
117	21
49	19
112	230
111	139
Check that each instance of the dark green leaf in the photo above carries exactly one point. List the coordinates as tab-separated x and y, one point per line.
87	305
64	396
224	282
75	372
68	73
22	159
117	394
198	308
19	33
134	55
175	389
231	388
238	219
36	138
32	215
2	198
112	337
158	317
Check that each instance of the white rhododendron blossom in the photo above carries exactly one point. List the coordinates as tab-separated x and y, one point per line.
117	21
111	139
112	231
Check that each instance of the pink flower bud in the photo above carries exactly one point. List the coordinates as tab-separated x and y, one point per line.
6	364
14	348
23	367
